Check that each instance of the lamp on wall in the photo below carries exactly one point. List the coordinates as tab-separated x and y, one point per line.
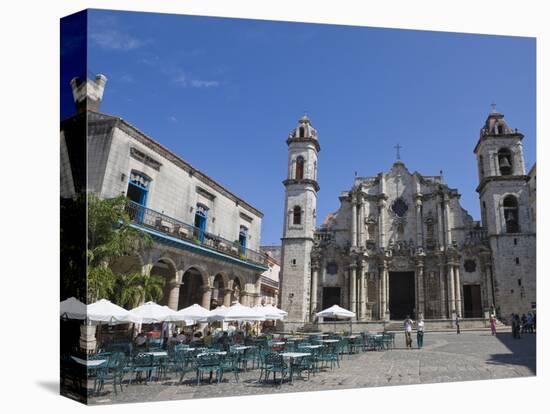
122	177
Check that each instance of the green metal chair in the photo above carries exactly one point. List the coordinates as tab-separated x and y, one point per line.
142	363
209	362
305	363
274	363
184	362
230	363
112	372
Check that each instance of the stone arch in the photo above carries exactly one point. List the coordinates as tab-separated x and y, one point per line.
239	286
194	284
220	285
201	270
166	268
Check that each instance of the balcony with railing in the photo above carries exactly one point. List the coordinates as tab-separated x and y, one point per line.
163	224
477	236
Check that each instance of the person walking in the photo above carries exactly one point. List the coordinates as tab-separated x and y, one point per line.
513	323
420	333
457	322
408	324
518	326
493	323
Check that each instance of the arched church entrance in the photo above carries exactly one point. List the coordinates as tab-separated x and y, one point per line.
401	295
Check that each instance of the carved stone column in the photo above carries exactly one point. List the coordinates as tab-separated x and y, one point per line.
419	288
379	290
387	293
440	224
418	204
227	297
382	220
443	308
364	293
458	291
353	287
361	223
353	222
448	219
206	296
451	289
173	295
314	284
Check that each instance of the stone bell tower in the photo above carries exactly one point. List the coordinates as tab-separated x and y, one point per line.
504	201
299	222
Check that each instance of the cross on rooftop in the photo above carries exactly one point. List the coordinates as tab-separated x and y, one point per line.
494	106
398	147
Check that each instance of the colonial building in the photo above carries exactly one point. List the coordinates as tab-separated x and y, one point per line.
206	238
270	278
401	244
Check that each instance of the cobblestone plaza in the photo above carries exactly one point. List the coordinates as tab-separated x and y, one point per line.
446	357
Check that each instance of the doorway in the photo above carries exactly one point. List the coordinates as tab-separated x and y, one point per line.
331	296
472	301
402	294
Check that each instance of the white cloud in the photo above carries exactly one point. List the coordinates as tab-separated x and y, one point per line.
173	118
197	83
111	39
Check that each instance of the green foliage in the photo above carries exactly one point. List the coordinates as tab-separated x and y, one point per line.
110	236
134	288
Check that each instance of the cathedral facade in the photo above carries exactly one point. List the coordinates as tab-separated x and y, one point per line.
401	244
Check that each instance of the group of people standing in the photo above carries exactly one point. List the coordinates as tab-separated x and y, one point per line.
525	324
408	324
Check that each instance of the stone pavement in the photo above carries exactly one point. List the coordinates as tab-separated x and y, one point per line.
445	357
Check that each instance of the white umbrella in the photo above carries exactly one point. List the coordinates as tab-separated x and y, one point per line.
194	313
270	312
335	311
237	312
106	311
72	308
152	312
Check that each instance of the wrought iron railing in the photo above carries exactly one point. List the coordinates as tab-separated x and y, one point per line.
175	228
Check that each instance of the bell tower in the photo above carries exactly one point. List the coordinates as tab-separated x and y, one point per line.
299	222
504	201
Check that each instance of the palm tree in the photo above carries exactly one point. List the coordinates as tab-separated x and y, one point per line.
136	288
110	236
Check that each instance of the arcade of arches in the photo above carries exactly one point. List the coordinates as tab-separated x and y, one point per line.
185	287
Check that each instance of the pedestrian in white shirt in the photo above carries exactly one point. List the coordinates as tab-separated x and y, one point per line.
420	333
408	324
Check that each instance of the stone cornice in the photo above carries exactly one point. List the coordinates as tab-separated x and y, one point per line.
305	140
516	135
501	178
306	181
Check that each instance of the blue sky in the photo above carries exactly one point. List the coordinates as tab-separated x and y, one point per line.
224	94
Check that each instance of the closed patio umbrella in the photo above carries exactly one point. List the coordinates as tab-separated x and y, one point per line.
72	308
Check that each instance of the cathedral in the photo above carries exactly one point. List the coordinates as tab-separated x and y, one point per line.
401	244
